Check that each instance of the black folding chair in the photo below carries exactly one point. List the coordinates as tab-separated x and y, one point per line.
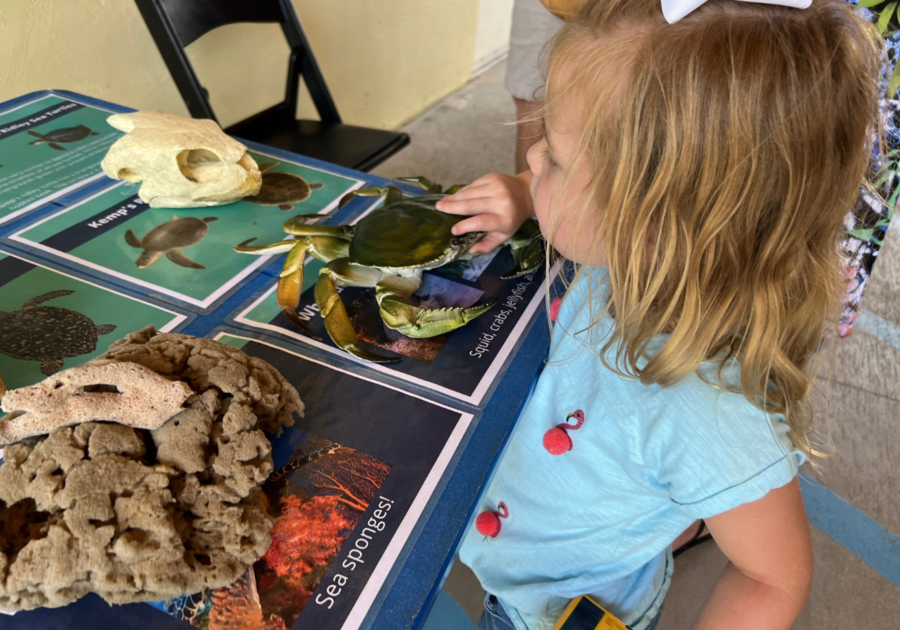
176	23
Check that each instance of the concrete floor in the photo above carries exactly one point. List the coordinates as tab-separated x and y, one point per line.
857	571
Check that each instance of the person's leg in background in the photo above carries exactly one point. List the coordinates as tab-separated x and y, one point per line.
528	130
532	27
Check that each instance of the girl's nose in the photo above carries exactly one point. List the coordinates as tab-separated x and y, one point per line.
533	157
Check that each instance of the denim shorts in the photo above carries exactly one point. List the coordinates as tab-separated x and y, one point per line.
495	618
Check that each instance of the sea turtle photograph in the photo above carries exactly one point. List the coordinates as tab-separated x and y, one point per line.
169	239
65	135
281	189
48	334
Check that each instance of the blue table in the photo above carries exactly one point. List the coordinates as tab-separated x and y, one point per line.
410	589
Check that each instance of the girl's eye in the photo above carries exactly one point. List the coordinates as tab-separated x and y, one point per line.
549	159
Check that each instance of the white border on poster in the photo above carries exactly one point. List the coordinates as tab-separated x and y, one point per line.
395	546
67	189
215	295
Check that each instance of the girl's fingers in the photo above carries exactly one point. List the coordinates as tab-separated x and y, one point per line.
482	223
478	223
464	195
466	205
489	243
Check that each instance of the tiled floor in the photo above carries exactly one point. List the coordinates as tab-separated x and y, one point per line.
468	135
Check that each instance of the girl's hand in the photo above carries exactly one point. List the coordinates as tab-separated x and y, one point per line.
770	573
499	205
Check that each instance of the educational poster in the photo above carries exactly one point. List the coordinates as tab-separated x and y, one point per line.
50	321
48	147
186	254
351	481
462	364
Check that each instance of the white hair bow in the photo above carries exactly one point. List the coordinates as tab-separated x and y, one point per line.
674	10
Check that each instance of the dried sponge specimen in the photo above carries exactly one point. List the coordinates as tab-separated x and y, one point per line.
127	393
144	515
206	364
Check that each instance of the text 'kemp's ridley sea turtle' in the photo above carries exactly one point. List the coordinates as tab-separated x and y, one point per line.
67	134
169	239
281	189
48	333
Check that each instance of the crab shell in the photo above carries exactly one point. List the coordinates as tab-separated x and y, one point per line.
409	234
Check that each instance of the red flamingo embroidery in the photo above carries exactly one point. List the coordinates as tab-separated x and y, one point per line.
557	440
488	522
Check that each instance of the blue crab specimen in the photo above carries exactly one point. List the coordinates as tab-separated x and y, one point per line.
387	250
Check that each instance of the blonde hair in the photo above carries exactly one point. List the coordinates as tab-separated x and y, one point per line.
726	151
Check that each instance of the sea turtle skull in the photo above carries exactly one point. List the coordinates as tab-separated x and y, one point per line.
182	162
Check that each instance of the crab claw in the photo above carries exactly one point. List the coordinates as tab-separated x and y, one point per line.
418	322
527	248
337	322
527	259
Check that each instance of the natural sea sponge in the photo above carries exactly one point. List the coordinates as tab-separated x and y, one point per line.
126	393
145	515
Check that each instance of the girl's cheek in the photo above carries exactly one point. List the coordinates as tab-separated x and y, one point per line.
542	200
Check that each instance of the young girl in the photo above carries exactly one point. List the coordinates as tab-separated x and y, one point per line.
697	174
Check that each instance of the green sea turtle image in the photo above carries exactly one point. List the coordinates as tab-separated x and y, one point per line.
281	189
67	134
48	334
387	250
169	239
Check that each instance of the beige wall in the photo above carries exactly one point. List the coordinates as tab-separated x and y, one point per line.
97	47
385	62
492	32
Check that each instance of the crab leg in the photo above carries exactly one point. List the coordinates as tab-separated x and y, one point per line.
391	194
298	227
291	283
325	247
275	248
290	286
419	322
422	182
337	321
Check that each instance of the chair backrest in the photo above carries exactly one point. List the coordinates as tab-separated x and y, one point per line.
195	18
174	24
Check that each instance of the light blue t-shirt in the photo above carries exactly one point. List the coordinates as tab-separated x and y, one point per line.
648	461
